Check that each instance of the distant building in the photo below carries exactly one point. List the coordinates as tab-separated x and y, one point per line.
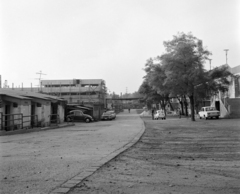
86	94
228	103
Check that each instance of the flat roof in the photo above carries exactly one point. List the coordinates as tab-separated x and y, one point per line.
14	95
28	95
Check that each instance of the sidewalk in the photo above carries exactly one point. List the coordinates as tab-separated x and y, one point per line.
37	129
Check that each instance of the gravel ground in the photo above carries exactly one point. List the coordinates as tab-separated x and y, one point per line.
41	162
174	156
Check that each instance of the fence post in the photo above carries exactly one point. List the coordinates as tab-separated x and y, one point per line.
1	121
13	122
36	120
22	119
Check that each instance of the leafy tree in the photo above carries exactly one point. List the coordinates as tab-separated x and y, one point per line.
179	72
183	64
155	77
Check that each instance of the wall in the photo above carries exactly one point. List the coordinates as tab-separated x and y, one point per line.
61	111
22	107
25	109
45	112
231	89
40	111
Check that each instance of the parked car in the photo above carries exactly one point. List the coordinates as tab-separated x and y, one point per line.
160	114
78	115
112	113
208	112
107	116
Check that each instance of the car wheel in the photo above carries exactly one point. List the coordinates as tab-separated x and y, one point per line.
69	120
217	117
87	120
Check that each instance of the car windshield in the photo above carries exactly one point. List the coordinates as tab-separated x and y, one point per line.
210	108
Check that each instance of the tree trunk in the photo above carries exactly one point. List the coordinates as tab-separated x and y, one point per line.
186	108
186	105
170	105
181	102
192	107
163	106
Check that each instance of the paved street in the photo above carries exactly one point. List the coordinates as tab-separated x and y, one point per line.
55	160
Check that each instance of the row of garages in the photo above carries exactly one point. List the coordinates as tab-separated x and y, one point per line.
19	109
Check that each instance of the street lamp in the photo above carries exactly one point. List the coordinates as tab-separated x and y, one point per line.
226	50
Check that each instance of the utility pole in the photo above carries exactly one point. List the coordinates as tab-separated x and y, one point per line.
226	50
40	76
210	63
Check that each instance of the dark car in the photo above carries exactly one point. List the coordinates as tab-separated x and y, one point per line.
78	115
107	116
112	112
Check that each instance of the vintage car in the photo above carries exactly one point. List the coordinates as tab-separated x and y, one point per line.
78	115
208	112
113	114
107	116
160	114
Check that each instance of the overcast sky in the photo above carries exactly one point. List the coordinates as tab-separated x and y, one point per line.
107	39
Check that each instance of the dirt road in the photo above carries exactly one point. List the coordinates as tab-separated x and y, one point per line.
174	156
47	161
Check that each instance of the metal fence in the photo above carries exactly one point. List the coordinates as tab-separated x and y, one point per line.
10	122
54	119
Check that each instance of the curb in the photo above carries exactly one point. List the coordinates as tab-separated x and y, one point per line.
23	131
67	186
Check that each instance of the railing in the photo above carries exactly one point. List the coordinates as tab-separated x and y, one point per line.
54	118
32	122
9	123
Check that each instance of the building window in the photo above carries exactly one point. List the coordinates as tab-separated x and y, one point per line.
15	105
39	105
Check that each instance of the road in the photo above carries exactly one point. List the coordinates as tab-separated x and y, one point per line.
41	162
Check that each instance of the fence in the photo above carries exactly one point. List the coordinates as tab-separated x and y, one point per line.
54	118
10	122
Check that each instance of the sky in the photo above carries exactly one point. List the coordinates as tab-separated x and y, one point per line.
107	39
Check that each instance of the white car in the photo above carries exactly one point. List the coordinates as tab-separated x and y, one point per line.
209	112
159	114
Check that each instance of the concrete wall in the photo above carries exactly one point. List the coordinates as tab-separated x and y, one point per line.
61	112
22	106
26	111
231	89
40	111
45	112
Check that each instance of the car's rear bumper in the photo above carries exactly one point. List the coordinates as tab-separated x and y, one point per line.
106	118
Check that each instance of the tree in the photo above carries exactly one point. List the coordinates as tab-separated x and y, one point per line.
155	77
179	73
183	64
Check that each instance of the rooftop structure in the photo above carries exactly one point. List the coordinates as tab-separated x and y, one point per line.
87	92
